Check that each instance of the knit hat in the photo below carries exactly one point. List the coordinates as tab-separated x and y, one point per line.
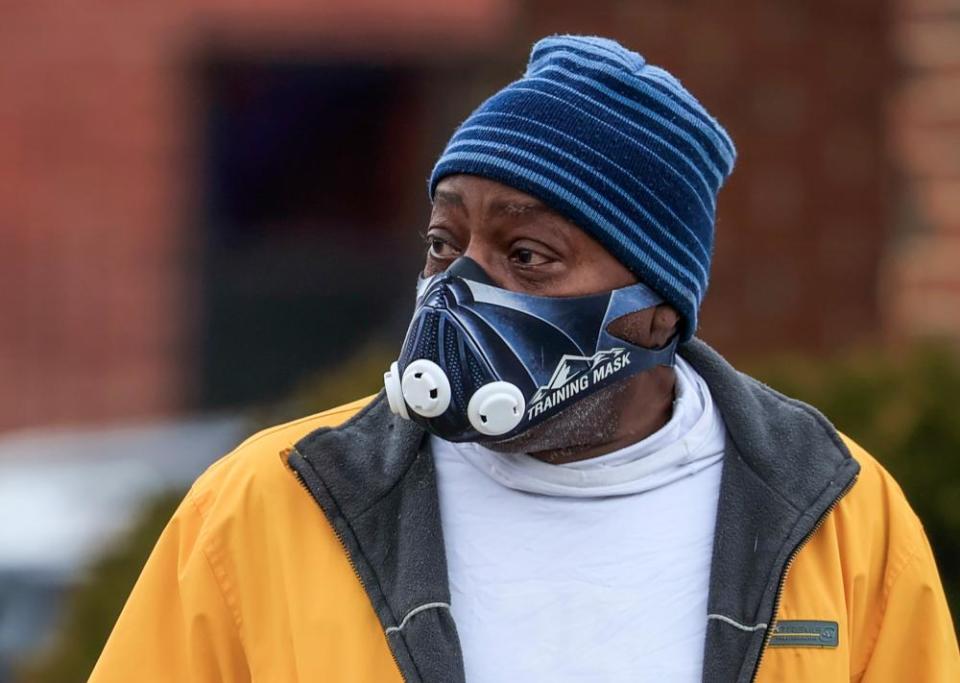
615	145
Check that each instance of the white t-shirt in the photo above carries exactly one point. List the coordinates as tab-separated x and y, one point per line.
590	571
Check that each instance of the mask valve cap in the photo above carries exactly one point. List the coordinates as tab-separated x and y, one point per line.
496	408
391	385
425	388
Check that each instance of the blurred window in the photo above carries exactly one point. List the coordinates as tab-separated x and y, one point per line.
309	172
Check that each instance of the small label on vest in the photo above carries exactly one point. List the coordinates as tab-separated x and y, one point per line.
803	633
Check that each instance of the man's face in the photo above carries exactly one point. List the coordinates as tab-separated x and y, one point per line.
526	247
523	245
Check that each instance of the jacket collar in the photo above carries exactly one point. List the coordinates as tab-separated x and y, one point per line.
784	469
376	485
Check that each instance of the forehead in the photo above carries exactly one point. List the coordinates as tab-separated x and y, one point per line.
466	192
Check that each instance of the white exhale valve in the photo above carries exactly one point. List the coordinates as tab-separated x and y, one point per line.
425	388
391	385
496	408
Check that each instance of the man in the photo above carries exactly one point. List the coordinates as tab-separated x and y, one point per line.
559	483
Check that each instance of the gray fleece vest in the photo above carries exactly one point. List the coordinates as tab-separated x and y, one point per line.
784	469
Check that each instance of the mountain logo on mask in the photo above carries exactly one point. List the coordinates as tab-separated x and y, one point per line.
574	374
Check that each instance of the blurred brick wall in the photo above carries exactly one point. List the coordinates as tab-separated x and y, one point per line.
98	158
96	164
923	268
801	87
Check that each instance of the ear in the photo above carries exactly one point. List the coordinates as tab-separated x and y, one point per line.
651	328
666	322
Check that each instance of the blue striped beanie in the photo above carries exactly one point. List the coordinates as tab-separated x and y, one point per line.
615	145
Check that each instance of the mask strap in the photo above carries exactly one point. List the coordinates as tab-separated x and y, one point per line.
641	357
628	300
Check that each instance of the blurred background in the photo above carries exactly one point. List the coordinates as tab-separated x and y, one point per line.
209	217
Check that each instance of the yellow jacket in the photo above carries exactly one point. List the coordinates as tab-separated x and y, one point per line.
312	553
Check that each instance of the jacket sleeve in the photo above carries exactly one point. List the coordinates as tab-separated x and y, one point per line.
178	623
916	639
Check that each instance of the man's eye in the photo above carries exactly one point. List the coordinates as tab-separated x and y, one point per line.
528	257
439	248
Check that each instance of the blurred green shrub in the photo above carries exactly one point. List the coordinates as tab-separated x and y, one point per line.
905	410
94	606
358	375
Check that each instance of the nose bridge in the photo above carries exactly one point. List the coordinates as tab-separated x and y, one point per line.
481	252
470	269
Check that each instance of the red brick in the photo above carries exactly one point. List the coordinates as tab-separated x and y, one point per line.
939	201
932	43
931	98
930	152
930	9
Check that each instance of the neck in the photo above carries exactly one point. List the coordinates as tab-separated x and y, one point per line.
643	406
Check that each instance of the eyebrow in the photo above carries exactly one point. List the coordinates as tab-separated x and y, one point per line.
518	208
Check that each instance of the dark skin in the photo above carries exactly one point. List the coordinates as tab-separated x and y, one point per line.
526	247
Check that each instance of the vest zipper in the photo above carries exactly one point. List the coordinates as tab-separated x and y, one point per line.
786	569
343	545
